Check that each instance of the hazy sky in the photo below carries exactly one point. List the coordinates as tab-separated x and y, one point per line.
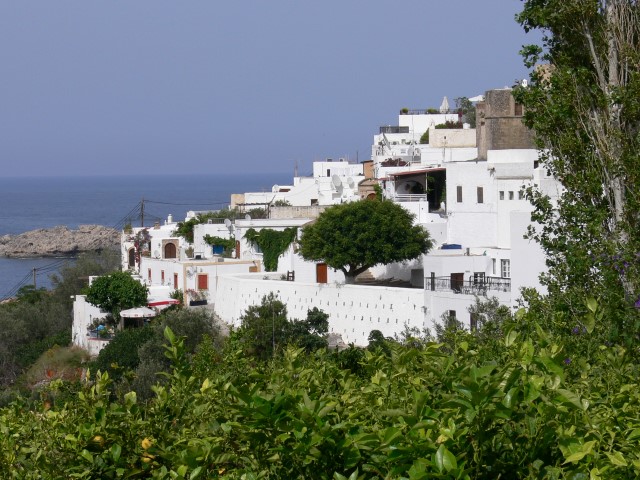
167	86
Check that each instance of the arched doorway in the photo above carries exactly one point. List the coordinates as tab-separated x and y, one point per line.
170	250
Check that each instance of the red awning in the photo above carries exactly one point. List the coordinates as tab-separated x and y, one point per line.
163	302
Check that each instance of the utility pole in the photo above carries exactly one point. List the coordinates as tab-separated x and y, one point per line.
142	213
34	278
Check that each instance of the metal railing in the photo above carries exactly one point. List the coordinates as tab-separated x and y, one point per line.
468	287
426	111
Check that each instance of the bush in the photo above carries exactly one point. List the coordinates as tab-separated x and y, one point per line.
121	353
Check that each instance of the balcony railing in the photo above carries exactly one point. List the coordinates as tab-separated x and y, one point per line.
468	287
409	197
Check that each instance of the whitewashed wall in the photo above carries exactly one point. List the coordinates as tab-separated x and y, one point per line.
83	315
527	257
418	124
438	303
353	310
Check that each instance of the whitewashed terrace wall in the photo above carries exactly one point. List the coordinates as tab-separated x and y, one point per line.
354	310
83	314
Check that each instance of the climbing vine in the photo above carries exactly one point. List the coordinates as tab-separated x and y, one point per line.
273	243
228	244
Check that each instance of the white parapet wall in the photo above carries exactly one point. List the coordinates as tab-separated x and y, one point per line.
354	310
84	314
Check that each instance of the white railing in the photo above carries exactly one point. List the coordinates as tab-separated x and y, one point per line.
410	197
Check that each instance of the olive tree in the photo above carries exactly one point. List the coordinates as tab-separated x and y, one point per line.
355	236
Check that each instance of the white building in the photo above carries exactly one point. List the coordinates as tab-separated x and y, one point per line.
465	187
331	183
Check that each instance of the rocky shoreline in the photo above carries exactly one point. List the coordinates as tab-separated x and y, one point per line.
58	241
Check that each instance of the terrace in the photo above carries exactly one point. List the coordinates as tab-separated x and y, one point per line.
477	286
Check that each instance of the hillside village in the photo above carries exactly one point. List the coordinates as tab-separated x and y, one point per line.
465	187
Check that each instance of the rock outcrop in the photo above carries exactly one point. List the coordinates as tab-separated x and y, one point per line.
48	242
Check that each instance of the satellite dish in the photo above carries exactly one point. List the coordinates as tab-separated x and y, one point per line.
524	83
247	217
335	180
227	222
156	254
275	188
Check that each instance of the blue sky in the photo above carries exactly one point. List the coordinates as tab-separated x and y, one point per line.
162	86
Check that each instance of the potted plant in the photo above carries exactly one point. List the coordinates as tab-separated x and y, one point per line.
196	297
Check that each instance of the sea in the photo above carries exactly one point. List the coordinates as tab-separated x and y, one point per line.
30	203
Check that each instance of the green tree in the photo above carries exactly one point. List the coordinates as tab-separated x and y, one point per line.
354	236
116	292
264	327
468	110
584	108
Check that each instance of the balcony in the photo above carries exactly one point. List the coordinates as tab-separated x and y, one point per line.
468	287
409	197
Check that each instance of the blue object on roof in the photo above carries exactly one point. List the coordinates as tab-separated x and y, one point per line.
451	246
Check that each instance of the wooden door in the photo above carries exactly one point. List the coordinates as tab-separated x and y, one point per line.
175	281
321	273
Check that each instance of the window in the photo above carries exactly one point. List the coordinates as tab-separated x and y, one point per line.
518	110
451	318
478	278
314	201
493	264
501	195
459	194
162	276
175	281
520	195
480	191
203	281
505	268
149	275
510	195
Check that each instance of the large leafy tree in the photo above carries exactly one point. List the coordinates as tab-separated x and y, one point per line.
116	292
584	106
352	237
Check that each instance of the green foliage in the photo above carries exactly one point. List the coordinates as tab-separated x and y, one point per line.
31	294
228	244
424	139
121	353
411	413
584	109
116	292
449	124
354	236
468	110
273	243
378	189
185	229
281	203
265	329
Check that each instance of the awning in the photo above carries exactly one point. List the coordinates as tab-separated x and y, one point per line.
416	172
160	303
138	312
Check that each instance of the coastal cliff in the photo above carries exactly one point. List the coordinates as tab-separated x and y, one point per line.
47	242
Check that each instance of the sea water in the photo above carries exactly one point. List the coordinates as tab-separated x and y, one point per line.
29	203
